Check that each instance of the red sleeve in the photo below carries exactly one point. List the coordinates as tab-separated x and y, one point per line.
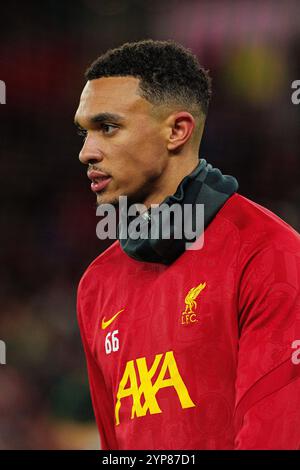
267	411
101	402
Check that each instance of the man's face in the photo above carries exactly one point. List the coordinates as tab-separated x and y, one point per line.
123	140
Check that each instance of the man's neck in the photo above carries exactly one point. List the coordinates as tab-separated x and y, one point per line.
170	180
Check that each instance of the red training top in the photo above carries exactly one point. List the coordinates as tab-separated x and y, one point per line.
204	353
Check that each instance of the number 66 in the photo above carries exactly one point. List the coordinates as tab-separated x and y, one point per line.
111	342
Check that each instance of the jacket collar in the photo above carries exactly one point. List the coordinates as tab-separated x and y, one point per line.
204	185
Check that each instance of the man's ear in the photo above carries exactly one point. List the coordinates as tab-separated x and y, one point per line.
181	126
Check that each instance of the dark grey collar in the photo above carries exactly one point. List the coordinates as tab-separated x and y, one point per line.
205	185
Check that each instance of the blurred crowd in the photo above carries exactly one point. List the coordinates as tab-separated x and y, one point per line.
48	220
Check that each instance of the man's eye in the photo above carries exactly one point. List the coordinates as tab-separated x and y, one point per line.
105	128
108	128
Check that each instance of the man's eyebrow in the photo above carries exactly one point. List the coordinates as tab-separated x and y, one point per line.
77	124
101	118
104	117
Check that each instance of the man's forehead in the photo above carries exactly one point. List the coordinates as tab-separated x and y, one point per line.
110	94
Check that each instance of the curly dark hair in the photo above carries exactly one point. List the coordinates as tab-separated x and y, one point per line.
168	72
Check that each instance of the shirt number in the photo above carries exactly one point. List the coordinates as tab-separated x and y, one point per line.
112	342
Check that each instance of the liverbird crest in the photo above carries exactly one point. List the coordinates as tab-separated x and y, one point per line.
190	300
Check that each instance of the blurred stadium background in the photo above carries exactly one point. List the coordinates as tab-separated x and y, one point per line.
252	49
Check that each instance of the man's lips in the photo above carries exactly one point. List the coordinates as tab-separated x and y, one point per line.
99	180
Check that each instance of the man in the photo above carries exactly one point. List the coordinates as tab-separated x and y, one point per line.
186	348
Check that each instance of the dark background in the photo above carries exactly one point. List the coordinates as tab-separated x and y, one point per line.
48	221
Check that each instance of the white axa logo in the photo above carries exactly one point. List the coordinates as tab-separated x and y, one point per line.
2	92
296	354
296	94
2	352
161	221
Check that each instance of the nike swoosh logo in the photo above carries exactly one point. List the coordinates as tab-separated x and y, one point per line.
105	324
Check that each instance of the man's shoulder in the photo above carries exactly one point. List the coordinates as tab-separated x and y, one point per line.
108	255
256	223
101	265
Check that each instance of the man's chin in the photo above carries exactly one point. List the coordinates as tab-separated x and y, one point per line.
103	198
111	197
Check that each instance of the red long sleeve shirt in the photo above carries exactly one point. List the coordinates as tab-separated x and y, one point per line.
203	353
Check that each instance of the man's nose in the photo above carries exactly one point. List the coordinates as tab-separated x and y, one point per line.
90	152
